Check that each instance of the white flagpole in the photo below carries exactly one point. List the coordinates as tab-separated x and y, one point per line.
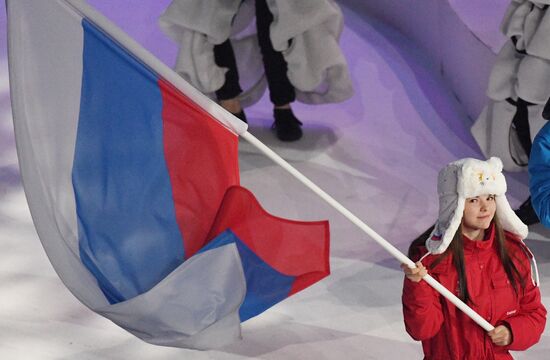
237	126
373	234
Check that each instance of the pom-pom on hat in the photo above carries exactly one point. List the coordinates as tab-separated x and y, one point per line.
464	179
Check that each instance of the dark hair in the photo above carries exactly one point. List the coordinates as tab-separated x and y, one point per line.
456	248
511	270
414	248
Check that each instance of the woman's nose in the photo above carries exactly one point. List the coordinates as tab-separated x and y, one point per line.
483	205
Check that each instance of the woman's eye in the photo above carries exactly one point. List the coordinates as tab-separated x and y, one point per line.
473	200
492	197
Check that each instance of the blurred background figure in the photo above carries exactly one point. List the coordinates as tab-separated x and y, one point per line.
518	88
539	171
293	47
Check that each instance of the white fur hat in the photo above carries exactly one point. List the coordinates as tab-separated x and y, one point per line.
463	179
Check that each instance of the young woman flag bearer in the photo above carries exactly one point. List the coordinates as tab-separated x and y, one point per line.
476	251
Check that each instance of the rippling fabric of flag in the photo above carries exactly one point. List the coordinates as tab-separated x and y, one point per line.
134	188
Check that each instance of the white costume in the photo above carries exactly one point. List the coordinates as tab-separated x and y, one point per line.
521	70
307	35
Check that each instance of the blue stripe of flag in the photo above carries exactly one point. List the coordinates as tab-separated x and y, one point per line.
265	286
127	229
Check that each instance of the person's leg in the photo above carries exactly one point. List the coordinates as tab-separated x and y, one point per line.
281	91
546	111
521	123
227	94
525	212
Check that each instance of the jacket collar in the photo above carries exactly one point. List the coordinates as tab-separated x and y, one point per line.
481	245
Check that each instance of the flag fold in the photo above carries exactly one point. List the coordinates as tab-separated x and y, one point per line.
134	187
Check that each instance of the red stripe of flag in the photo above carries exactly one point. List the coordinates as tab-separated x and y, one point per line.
202	159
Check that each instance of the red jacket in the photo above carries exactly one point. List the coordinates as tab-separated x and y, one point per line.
446	332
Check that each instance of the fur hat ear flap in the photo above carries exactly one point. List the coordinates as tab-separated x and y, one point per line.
508	218
443	234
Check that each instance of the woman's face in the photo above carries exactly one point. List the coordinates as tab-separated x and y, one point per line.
479	212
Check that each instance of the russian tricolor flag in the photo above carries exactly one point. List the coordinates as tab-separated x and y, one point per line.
133	184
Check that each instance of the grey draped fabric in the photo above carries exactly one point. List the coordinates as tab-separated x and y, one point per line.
305	31
521	70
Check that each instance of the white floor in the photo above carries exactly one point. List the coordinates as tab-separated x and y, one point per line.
378	154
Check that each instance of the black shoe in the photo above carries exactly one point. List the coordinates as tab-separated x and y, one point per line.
286	125
241	115
526	213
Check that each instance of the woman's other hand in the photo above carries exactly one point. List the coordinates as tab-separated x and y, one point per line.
415	274
500	335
